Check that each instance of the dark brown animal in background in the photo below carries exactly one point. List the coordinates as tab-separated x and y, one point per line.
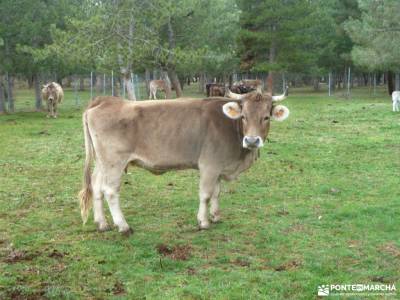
53	94
215	90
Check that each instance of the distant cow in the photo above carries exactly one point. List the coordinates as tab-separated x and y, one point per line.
219	137
157	85
53	94
396	100
240	89
237	96
215	90
252	83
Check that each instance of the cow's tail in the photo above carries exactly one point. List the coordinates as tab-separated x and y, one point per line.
85	195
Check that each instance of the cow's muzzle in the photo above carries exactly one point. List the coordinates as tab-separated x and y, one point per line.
252	142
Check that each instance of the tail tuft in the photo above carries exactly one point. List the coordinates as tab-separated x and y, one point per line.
85	197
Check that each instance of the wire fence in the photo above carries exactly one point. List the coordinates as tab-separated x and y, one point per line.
79	89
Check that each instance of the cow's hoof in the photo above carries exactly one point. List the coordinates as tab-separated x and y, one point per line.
47	116
103	227
215	218
204	225
126	232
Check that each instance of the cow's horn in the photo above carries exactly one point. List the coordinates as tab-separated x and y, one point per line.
281	97
234	95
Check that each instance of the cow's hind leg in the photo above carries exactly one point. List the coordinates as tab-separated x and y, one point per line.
208	182
111	185
214	207
98	207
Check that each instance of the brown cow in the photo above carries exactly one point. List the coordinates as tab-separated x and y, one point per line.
217	90
157	85
220	137
53	94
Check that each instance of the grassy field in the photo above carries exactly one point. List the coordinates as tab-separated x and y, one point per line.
321	206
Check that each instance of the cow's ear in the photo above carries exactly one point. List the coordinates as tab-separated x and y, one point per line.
280	113
232	110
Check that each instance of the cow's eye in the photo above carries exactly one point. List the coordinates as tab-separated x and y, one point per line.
266	118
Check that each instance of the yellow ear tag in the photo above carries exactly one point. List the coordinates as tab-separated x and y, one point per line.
233	112
279	113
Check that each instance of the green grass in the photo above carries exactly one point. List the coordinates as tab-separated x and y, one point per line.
321	206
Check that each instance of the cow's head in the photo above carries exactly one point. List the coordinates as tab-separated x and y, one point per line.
255	111
51	91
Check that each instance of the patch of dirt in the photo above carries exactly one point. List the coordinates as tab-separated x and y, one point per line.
43	132
178	252
241	262
334	190
290	265
57	254
59	267
19	255
381	279
191	271
282	212
118	288
391	248
294	228
17	294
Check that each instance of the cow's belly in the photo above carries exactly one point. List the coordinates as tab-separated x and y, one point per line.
160	163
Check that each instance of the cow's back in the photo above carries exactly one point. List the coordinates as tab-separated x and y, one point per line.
163	135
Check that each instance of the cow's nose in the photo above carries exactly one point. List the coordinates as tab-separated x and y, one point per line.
252	141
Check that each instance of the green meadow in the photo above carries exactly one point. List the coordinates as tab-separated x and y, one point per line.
320	206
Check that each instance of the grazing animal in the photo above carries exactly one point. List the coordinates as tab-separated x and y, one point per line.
237	96
157	85
396	100
218	136
252	84
217	90
53	94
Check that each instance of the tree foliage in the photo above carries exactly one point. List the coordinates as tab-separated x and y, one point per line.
376	35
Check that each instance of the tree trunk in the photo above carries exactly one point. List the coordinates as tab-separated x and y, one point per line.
10	93
30	82
38	92
130	88
81	83
165	77
99	85
201	83
147	79
68	81
390	82
271	59
316	84
171	64
2	98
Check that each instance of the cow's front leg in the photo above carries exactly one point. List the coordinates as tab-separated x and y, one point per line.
48	109
214	208
55	109
51	104
207	186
